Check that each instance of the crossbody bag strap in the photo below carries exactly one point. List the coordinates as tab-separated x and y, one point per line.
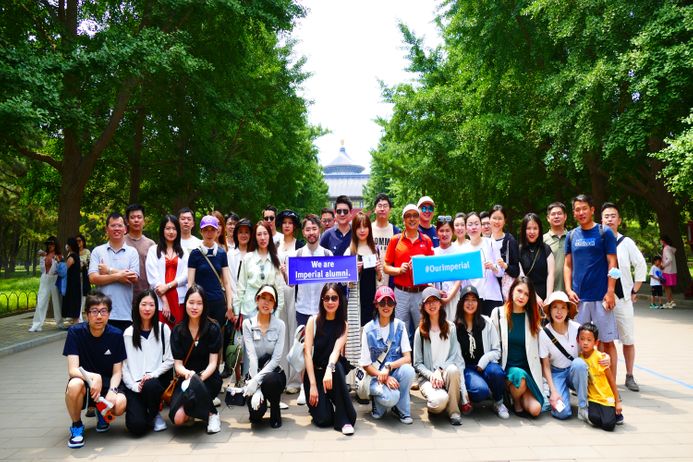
204	254
192	345
557	344
534	261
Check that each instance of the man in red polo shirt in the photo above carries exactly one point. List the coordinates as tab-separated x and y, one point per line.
401	248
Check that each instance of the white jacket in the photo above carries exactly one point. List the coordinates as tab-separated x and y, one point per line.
156	272
500	322
491	343
629	256
153	357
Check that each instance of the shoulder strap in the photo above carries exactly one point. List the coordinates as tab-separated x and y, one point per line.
204	254
620	239
192	345
558	345
163	342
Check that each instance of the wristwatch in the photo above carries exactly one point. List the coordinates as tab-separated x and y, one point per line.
331	367
387	366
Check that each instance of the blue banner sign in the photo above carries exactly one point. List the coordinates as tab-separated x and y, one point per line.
450	267
306	270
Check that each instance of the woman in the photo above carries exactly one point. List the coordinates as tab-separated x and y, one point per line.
507	249
147	368
329	402
288	244
72	301
536	258
211	272
386	356
488	287
263	337
668	270
480	348
230	228
167	271
446	247
560	362
47	289
221	234
260	266
195	345
241	237
460	229
360	307
84	257
438	361
518	324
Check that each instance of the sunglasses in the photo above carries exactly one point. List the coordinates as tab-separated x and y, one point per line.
445	218
411	215
427	208
330	298
386	302
268	218
342	211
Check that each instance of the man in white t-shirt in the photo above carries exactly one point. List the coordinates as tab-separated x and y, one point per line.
269	216
186	218
383	230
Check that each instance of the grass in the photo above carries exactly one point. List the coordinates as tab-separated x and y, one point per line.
18	293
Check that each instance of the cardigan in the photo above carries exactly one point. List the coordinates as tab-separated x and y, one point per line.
423	360
153	358
156	272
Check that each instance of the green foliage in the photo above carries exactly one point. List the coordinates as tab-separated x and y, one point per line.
678	157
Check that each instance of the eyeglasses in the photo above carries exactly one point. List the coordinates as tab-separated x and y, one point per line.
445	218
427	208
102	312
326	220
411	215
386	302
342	211
268	218
330	298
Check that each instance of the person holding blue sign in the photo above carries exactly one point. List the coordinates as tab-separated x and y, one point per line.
450	288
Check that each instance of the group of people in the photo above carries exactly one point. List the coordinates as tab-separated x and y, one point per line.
159	325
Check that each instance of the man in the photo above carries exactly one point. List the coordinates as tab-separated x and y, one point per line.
590	255
556	215
326	218
134	218
383	230
186	218
400	250
231	221
628	257
114	267
338	238
99	349
426	208
269	216
308	295
485	219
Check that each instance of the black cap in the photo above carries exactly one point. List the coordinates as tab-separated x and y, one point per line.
470	289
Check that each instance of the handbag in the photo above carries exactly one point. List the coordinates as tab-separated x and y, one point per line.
234	350
296	358
168	392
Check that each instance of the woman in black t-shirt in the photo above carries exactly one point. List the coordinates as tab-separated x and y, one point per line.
325	379
201	336
536	258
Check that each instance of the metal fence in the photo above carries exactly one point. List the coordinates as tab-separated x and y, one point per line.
15	300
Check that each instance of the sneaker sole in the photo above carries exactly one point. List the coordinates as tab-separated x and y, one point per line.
75	445
103	430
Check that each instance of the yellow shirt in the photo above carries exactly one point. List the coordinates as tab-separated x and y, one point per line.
598	388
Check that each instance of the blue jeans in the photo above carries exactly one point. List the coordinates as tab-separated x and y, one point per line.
385	398
574	377
490	383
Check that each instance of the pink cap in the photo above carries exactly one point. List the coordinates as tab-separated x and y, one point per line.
382	292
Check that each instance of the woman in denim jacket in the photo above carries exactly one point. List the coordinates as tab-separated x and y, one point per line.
390	367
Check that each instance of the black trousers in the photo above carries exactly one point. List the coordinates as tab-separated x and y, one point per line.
334	408
196	400
602	416
272	387
142	407
122	325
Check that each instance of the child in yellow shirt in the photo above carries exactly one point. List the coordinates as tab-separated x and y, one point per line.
604	404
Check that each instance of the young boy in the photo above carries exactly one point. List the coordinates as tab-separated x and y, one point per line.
656	281
604	404
100	350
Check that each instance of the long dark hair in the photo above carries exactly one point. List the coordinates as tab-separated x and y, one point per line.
340	315
205	320
271	248
52	240
478	322
161	247
137	319
531	216
72	245
425	322
532	312
360	219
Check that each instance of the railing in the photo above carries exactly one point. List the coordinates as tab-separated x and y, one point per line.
16	300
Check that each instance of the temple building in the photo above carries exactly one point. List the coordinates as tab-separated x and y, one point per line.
343	176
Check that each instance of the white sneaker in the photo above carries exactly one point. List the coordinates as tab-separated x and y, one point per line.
292	390
216	401
348	430
159	423
214	424
583	415
301	400
501	410
283	405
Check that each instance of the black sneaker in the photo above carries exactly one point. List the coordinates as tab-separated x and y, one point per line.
101	424
619	419
76	439
405	419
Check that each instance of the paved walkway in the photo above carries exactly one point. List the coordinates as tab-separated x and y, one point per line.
659	419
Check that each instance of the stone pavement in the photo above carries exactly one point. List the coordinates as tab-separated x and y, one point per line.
658	425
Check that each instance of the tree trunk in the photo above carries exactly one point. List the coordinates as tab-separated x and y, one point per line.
69	201
136	157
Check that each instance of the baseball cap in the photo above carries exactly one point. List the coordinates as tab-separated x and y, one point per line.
430	292
425	200
382	292
469	289
267	289
209	220
409	208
